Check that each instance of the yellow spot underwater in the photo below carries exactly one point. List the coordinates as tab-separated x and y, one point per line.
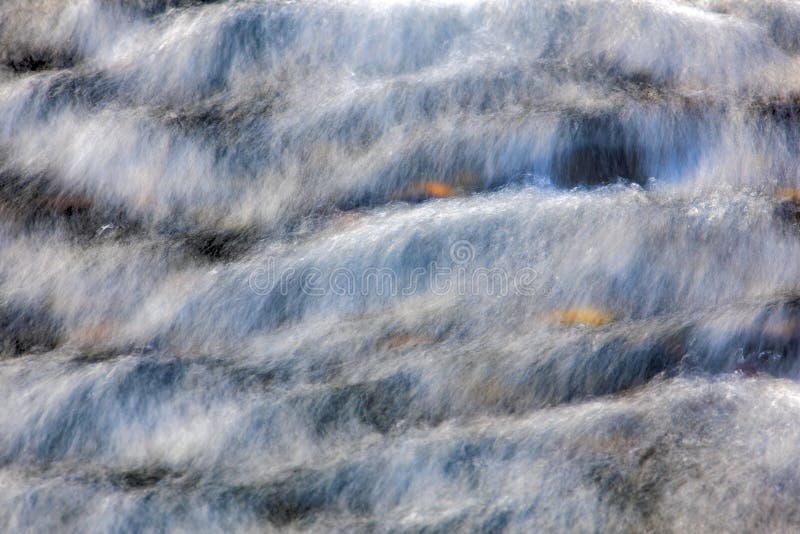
581	315
437	189
790	194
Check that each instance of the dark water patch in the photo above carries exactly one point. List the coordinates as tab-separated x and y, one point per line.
38	203
782	110
220	246
82	90
586	369
150	8
136	479
771	344
304	493
597	150
22	61
380	404
27	328
82	424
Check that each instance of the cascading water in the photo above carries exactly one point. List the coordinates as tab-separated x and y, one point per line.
407	266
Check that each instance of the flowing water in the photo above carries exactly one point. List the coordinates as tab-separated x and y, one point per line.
408	266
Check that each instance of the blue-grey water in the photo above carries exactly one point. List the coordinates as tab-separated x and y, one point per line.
407	266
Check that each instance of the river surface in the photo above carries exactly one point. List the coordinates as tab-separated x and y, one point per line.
400	266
